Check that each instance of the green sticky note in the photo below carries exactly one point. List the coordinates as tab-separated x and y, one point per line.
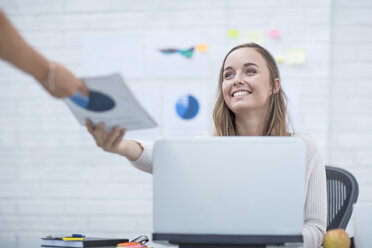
296	56
255	36
233	33
279	59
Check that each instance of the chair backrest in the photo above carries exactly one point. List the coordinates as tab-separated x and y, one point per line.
342	193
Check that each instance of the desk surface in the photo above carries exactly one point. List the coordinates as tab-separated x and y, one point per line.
157	245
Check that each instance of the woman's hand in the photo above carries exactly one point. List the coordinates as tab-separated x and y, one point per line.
114	142
109	142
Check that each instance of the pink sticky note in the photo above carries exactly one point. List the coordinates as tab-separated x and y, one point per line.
274	33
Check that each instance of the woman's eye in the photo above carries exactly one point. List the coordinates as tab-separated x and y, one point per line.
228	74
250	71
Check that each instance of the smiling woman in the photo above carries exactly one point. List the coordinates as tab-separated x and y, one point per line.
249	95
250	102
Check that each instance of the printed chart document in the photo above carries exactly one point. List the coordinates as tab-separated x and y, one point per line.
111	102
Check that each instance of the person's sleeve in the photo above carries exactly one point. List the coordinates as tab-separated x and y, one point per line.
315	212
144	162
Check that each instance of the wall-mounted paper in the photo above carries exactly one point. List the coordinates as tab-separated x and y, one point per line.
255	36
185	110
296	56
233	33
274	33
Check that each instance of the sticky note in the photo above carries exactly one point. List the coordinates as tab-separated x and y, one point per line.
279	59
274	33
255	36
296	56
233	33
201	48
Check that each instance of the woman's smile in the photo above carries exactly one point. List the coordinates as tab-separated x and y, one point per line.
240	93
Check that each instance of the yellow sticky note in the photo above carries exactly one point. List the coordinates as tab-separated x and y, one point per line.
296	56
255	36
201	48
279	59
233	33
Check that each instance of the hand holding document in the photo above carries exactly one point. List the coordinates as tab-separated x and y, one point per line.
111	102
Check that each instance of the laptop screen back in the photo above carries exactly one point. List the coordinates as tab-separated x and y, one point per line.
229	186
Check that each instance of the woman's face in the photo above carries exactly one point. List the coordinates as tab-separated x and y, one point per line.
246	81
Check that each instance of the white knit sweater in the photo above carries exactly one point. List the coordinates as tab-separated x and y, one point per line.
315	206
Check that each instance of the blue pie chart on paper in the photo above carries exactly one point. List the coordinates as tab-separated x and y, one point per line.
97	102
187	107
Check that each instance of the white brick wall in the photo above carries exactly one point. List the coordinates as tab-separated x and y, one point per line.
53	179
350	129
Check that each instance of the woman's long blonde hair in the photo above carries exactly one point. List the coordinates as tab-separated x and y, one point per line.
276	119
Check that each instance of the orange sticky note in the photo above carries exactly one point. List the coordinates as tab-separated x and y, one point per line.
201	48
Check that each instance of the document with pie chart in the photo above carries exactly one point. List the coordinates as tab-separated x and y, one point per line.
110	101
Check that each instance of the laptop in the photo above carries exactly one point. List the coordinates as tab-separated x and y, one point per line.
229	190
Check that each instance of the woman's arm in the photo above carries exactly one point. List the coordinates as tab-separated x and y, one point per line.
139	153
114	142
15	50
315	222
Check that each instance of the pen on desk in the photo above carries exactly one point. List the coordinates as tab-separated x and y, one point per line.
75	235
72	239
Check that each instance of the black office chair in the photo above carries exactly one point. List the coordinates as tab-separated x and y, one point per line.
342	193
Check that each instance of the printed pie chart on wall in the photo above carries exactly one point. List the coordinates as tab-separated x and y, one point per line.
97	102
187	107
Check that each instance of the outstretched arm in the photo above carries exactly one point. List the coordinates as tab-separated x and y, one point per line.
114	142
138	153
56	79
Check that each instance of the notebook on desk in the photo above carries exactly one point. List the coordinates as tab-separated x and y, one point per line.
229	190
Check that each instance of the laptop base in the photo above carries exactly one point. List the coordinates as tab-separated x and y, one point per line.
225	241
219	246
